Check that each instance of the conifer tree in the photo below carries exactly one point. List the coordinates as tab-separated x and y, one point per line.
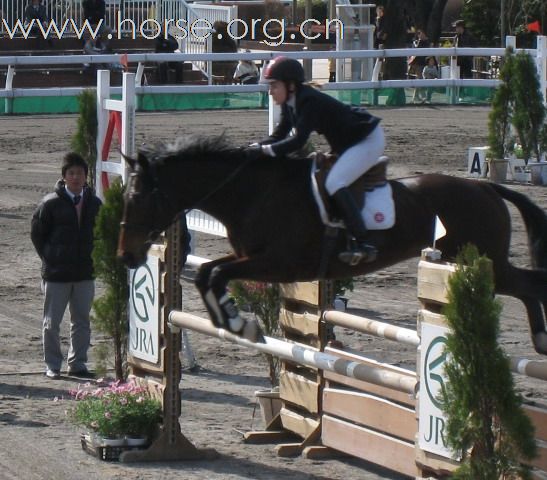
485	421
85	138
110	309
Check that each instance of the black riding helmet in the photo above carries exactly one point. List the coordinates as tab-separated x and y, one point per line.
285	70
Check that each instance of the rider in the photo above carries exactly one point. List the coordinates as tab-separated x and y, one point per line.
351	132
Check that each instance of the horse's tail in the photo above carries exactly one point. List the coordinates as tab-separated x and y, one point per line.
535	220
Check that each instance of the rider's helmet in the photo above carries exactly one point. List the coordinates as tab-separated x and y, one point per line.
285	70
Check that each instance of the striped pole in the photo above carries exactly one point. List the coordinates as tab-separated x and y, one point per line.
530	368
372	327
300	354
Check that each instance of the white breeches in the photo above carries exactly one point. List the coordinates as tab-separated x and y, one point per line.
356	160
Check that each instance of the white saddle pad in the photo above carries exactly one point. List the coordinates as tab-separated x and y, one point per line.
378	213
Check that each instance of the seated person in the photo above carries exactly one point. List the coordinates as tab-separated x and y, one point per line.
246	72
168	45
100	45
37	12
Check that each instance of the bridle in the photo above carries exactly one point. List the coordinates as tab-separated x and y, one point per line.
161	202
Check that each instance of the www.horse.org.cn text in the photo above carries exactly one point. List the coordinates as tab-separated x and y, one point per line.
272	31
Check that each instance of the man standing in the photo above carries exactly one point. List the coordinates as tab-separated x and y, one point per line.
464	39
62	233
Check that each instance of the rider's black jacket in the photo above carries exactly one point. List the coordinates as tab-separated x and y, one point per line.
342	125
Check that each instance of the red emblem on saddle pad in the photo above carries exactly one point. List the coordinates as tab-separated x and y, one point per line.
379	217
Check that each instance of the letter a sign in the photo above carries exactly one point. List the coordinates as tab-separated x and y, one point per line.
144	311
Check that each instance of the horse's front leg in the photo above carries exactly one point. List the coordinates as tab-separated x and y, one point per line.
211	298
220	305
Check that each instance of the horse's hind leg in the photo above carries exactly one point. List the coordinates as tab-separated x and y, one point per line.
536	318
529	286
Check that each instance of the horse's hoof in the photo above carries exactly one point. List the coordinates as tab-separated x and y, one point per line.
252	332
236	324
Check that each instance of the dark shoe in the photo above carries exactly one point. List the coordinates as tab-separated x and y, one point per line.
361	251
53	374
85	373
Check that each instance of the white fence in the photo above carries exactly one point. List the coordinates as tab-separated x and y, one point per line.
540	55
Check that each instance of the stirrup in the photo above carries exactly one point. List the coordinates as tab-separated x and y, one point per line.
365	254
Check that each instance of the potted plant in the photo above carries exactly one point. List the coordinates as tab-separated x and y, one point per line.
264	301
116	412
528	117
517	111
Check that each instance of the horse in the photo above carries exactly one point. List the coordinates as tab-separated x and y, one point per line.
277	234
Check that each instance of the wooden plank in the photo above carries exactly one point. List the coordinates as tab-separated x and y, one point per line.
432	462
372	412
367	387
307	292
432	281
538	415
389	452
425	316
266	436
296	423
303	323
299	390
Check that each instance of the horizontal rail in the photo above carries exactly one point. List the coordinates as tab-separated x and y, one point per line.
372	327
189	57
529	368
299	354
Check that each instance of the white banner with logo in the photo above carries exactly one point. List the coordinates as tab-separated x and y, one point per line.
432	380
144	307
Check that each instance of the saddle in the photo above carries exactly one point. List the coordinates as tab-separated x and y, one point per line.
371	179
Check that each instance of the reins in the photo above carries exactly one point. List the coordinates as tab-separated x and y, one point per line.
222	184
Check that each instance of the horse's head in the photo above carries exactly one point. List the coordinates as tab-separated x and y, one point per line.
147	209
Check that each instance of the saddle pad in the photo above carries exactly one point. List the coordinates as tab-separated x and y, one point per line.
379	211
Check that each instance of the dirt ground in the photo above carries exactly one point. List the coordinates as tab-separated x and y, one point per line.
37	439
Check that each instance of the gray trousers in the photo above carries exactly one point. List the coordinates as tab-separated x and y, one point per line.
78	296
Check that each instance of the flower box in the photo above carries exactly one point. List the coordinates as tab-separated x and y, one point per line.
107	453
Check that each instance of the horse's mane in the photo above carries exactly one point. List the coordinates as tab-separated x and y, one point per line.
194	146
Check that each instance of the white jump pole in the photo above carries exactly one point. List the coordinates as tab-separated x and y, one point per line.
299	354
372	327
530	368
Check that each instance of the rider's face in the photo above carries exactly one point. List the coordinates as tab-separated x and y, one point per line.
278	91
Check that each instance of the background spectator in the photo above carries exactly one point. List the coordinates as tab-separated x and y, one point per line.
464	39
431	70
62	234
223	43
380	34
94	11
246	72
168	45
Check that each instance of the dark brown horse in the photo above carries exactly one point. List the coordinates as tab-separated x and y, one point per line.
277	235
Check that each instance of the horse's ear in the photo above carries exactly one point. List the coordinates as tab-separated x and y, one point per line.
131	162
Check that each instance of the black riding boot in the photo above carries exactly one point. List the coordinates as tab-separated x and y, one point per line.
348	208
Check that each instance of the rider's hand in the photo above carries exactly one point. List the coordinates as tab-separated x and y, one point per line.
253	151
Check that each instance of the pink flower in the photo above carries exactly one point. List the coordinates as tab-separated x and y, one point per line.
107	415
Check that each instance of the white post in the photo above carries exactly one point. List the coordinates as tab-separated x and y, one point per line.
103	92
541	61
8	106
511	41
127	145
